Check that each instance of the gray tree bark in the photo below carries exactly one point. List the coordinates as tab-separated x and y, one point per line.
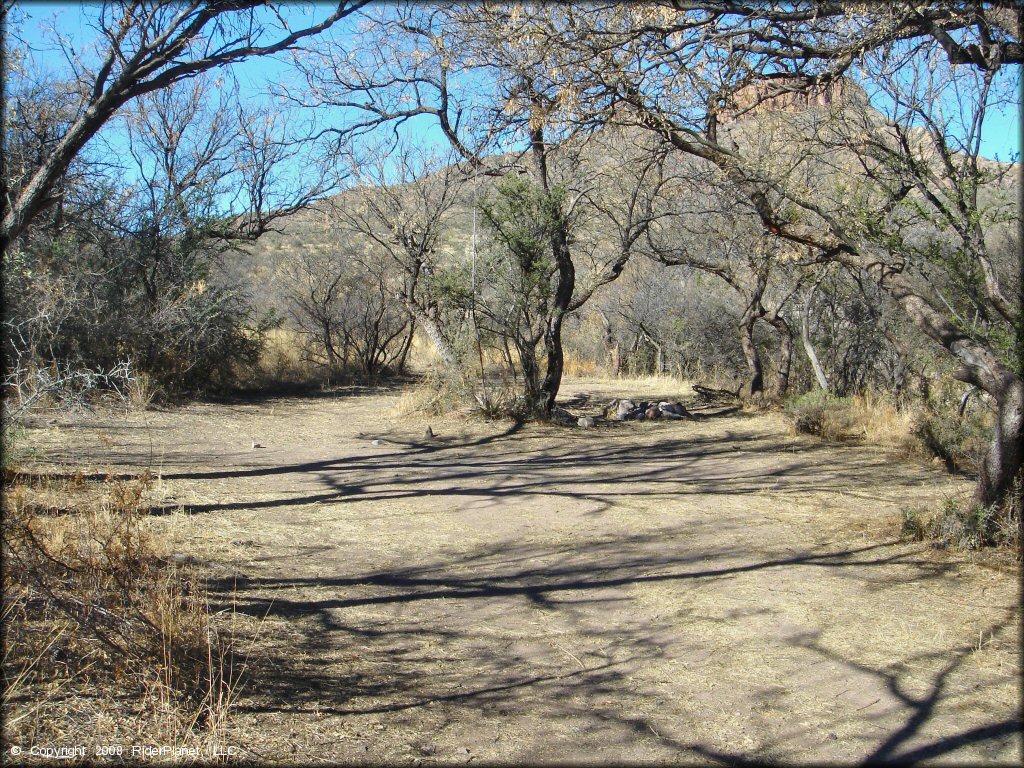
805	337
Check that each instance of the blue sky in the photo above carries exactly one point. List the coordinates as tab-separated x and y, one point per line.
1001	136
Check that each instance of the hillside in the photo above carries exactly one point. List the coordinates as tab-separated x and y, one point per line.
771	126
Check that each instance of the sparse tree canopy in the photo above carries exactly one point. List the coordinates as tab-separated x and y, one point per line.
146	47
839	136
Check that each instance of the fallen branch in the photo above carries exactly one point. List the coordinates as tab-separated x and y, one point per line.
711	395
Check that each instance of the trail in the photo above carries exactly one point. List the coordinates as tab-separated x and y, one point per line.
708	590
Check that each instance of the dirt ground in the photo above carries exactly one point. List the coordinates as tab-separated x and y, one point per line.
706	590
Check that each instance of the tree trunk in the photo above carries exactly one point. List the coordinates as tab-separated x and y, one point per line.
1002	464
611	348
785	354
751	354
332	353
555	364
35	196
433	331
531	374
564	287
805	337
553	334
406	346
982	368
980	364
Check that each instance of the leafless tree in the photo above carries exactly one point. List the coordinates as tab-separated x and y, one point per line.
473	73
712	229
685	72
145	47
403	205
342	298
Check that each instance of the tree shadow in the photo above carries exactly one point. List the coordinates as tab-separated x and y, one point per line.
497	468
452	638
909	742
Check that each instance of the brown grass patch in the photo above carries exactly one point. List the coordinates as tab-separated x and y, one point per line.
108	637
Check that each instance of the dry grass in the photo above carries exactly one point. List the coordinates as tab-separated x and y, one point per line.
469	514
283	363
919	432
870	418
576	368
107	638
963	525
442	393
649	386
438	393
882	423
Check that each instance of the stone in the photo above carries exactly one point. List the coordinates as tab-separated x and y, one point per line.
376	442
428	434
676	409
653	413
624	407
587	422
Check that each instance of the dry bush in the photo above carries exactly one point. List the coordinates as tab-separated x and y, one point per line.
959	441
104	638
964	525
870	417
282	366
576	367
921	431
439	392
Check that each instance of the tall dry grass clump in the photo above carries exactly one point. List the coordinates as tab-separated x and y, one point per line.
936	430
439	392
962	525
926	429
869	417
105	639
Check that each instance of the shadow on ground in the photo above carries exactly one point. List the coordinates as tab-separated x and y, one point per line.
463	638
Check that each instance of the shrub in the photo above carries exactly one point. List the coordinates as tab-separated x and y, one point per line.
89	606
821	413
960	442
966	526
973	526
439	392
870	417
913	525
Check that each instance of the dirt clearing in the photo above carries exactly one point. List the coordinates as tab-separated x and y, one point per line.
701	590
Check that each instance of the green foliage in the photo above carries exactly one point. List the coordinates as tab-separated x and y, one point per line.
454	284
967	526
959	441
913	524
523	219
515	274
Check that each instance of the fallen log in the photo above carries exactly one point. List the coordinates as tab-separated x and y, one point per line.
712	395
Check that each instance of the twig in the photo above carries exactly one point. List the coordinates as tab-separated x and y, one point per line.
867	705
567	653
